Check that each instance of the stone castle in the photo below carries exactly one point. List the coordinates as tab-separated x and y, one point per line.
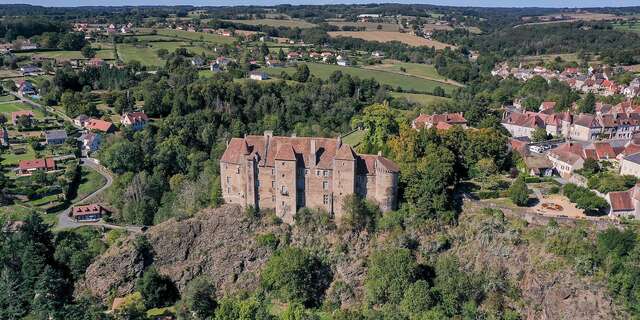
288	173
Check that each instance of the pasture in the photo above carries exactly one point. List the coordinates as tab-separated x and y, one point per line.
387	36
405	82
147	53
421	70
8	107
289	23
369	26
195	36
106	54
422	99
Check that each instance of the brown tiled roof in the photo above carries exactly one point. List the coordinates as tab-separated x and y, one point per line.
586	120
86	209
47	163
567	157
621	201
448	118
345	153
604	150
268	149
97	124
524	120
135	117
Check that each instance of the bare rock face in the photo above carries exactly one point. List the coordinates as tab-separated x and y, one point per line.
218	243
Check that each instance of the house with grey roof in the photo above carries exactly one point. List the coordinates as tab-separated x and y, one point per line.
54	137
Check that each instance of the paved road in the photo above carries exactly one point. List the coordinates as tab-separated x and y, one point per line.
66	222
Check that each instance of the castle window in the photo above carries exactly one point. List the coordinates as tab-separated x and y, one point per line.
273	198
318	173
306	172
325	199
273	184
326	173
238	170
228	189
273	171
325	185
228	180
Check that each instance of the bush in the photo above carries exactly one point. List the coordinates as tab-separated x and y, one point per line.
585	199
532	179
157	290
391	272
267	240
488	194
519	193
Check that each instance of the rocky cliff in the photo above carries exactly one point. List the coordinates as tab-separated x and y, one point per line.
221	244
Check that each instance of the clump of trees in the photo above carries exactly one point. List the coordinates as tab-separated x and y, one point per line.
585	199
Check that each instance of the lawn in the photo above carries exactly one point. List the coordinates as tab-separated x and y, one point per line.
11	159
90	181
392	79
197	36
354	138
423	99
7	98
276	23
415	69
18	212
9	107
387	36
627	26
102	54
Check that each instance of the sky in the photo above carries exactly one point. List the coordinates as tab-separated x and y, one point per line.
480	3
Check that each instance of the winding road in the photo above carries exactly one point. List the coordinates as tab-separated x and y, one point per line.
64	220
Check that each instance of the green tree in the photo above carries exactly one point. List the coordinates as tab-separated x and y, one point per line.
588	104
88	52
539	135
379	122
281	55
359	213
302	73
157	290
390	274
519	192
198	300
296	275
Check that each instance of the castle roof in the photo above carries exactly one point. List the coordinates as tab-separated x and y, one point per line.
308	151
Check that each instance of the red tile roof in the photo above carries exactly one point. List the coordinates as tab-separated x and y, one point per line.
86	209
621	201
100	125
449	118
135	117
46	164
604	150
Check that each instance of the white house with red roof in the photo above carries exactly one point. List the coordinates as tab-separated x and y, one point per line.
27	167
134	120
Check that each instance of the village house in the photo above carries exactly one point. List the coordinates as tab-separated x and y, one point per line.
630	165
585	128
27	167
134	120
343	61
95	63
54	137
565	162
22	113
522	124
258	75
288	173
80	120
99	125
87	213
26	88
441	121
30	70
624	203
91	141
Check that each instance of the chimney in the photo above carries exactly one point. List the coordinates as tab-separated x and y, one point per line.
339	142
379	153
312	152
294	135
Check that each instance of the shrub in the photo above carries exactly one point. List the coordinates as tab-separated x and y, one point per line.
519	193
267	240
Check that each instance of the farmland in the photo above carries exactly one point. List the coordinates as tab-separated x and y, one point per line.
425	71
369	26
196	36
60	54
8	107
422	99
276	23
394	80
146	53
387	36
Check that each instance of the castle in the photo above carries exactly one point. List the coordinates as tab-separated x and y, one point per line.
288	173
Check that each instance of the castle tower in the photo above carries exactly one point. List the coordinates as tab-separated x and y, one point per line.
344	176
386	183
285	163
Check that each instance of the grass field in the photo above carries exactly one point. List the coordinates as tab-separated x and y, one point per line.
102	54
387	36
11	159
7	97
369	26
354	138
423	99
276	23
392	79
627	26
197	36
90	181
147	55
9	107
415	69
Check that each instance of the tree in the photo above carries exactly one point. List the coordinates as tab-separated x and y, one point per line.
417	299
438	91
591	166
359	213
88	52
302	73
281	55
379	122
539	135
296	275
391	272
157	290
519	193
588	104
198	300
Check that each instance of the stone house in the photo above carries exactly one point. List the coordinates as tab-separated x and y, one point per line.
585	128
522	124
288	173
441	120
135	120
624	203
630	165
54	137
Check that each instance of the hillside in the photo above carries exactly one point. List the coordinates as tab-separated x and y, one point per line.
221	244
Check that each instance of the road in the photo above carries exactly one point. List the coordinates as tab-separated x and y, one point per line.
64	220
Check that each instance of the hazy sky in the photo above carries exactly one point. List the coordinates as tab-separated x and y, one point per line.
483	3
